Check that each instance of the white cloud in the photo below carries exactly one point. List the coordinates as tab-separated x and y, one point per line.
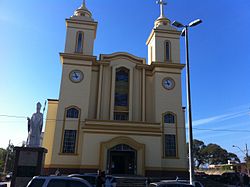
220	118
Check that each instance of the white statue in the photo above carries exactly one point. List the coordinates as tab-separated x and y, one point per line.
35	125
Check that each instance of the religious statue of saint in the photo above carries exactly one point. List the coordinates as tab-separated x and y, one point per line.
35	125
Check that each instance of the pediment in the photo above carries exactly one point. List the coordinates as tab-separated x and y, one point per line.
122	55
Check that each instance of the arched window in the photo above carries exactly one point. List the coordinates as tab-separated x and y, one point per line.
167	51
79	42
72	113
121	94
169	118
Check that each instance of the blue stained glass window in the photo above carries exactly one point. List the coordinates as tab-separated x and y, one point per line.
72	113
121	116
169	118
168	51
121	99
121	87
122	75
121	94
170	145
79	46
69	141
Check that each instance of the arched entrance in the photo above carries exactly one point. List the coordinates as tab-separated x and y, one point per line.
122	159
111	150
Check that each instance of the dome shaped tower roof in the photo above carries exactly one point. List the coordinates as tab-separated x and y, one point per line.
82	12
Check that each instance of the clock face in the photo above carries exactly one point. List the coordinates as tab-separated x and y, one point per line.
168	83
76	76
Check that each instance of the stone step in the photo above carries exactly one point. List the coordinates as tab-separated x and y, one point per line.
131	182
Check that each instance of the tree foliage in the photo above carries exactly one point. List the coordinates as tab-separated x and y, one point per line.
233	157
211	154
2	158
215	154
11	158
198	147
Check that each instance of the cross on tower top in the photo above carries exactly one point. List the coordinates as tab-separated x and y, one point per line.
83	2
162	3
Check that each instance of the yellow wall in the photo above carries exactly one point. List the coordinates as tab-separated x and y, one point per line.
94	96
49	133
157	101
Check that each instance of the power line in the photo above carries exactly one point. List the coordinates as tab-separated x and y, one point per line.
12	116
223	130
195	128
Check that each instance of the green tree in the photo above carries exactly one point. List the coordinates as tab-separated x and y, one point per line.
2	158
215	154
199	157
233	157
11	158
211	154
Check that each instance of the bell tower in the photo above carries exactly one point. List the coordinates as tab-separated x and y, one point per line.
81	32
163	42
77	60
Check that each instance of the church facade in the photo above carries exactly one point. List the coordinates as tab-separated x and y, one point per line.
118	113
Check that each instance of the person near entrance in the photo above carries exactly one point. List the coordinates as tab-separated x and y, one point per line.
110	181
100	179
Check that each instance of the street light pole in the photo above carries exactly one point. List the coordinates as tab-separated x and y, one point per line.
245	152
189	108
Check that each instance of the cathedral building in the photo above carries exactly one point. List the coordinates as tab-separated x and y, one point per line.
118	112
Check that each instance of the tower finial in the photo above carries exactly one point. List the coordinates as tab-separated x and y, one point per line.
162	3
83	2
82	11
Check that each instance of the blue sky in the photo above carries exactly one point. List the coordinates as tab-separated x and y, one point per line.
33	33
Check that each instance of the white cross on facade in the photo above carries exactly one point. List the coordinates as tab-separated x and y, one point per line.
162	3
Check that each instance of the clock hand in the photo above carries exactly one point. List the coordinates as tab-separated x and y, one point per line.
76	76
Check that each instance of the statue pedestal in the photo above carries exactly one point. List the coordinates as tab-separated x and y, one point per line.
29	162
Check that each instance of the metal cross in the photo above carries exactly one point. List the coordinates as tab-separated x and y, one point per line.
162	3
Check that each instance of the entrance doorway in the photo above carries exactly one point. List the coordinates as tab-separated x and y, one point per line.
122	160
